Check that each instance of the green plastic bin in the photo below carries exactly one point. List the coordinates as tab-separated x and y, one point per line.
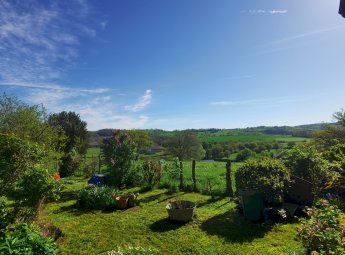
253	204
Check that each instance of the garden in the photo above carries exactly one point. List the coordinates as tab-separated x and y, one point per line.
291	203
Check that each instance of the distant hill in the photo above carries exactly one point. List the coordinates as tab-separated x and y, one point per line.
305	131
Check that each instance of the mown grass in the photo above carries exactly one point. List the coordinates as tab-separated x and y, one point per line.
216	229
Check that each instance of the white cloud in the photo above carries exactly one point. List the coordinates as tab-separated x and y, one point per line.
38	43
144	101
263	11
260	101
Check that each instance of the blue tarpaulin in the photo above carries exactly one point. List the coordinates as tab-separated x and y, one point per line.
97	179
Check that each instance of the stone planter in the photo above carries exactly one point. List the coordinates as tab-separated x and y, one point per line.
181	210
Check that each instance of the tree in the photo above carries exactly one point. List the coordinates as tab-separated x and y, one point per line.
74	129
28	122
17	156
119	152
186	145
332	134
70	124
141	138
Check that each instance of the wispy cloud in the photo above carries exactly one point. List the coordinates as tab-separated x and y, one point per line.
40	42
293	41
263	11
143	101
305	35
252	102
53	87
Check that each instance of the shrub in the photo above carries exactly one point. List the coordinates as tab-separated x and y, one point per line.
6	216
151	172
306	162
268	176
26	239
70	163
35	186
95	197
17	156
120	152
322	232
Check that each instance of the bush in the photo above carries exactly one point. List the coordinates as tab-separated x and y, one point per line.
17	156
26	239
322	232
268	176
151	172
97	198
306	162
120	152
35	186
6	216
70	163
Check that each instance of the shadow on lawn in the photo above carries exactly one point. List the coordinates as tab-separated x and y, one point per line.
233	228
161	197
165	225
67	196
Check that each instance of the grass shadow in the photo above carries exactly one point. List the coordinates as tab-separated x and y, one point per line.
165	225
67	196
233	228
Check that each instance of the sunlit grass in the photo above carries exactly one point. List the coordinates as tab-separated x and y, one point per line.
216	229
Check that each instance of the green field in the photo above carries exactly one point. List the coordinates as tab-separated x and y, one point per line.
216	229
210	176
253	138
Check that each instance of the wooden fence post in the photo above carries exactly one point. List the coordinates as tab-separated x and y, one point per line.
99	164
193	175
229	190
181	175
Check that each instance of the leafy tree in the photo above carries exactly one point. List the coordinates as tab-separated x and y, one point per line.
74	129
17	156
141	138
28	122
332	134
120	152
186	145
70	124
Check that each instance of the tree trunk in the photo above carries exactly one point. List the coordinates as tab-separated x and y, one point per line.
181	176
193	175
229	190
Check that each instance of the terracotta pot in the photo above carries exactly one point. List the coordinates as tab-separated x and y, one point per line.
122	202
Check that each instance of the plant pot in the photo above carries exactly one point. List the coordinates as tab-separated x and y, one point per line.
181	210
122	202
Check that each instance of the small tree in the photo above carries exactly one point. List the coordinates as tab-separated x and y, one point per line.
17	156
74	129
186	145
268	176
151	171
120	152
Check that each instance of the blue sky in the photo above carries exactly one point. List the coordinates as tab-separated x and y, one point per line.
176	64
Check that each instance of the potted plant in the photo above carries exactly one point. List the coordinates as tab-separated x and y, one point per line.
180	210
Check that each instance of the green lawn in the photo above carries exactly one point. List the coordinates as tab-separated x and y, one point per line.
216	229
